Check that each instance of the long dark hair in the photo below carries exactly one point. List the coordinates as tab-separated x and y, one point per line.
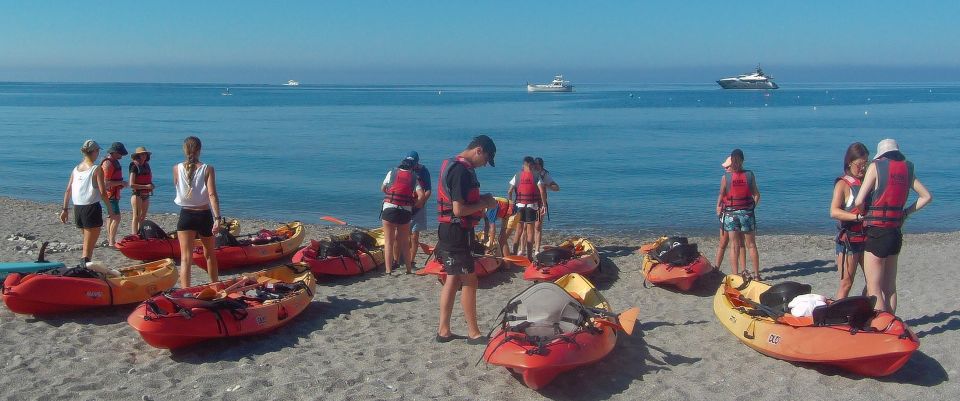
855	151
191	153
407	164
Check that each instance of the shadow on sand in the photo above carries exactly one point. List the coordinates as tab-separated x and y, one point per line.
312	319
798	269
952	320
101	316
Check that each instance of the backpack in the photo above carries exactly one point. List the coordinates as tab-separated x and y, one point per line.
364	239
676	251
223	238
151	230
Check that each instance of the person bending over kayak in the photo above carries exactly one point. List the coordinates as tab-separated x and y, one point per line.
530	196
739	196
402	192
460	207
502	212
196	185
851	236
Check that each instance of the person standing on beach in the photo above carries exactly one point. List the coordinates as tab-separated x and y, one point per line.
141	182
85	189
113	175
739	196
724	236
550	184
460	207
887	183
531	203
401	194
419	220
851	235
196	185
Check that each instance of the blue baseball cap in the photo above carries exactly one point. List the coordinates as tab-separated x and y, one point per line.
413	155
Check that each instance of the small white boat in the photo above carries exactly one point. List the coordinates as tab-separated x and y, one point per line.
292	83
226	92
754	80
558	85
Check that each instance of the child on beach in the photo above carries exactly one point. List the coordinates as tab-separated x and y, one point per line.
419	220
141	182
724	236
196	185
402	192
531	203
738	197
502	212
851	235
460	207
887	183
85	189
113	175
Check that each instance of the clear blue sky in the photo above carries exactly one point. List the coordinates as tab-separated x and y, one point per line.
476	41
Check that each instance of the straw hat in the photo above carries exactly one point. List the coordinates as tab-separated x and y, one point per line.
139	150
885	146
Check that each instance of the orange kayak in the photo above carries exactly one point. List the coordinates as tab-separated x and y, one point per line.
585	261
264	246
230	308
848	333
682	277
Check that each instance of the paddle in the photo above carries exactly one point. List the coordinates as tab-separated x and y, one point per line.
626	320
333	220
515	259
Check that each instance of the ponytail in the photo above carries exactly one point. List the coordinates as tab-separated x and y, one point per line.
191	152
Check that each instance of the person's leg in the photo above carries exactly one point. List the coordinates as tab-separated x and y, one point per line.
185	238
414	245
208	253
521	239
447	295
531	232
144	207
403	246
737	247
537	232
751	243
890	282
721	249
847	265
90	236
389	241
468	299
502	239
112	227
134	214
874	275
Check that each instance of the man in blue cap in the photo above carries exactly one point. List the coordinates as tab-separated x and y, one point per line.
419	219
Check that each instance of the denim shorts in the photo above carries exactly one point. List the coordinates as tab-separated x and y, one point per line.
855	247
418	221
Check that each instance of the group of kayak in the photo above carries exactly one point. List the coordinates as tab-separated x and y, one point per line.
559	323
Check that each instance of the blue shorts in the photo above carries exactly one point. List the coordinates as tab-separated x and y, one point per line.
418	221
855	247
114	205
738	220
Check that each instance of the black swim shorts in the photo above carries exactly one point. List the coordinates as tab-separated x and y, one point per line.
528	214
200	221
455	263
883	242
396	215
88	216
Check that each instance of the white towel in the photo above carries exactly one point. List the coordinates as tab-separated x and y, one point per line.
803	305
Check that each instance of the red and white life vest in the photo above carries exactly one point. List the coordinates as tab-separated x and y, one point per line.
445	202
851	231
113	172
894	178
527	190
402	188
739	194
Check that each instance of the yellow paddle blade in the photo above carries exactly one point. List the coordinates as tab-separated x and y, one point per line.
628	319
207	294
334	220
517	260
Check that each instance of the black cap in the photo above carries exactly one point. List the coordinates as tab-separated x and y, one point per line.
117	147
488	146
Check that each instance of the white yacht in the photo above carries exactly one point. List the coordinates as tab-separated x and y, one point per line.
292	83
226	92
558	85
753	80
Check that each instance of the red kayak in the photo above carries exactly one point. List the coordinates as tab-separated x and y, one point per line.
158	246
355	263
681	276
551	328
264	246
583	259
253	304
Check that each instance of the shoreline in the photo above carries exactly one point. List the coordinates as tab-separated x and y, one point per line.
371	336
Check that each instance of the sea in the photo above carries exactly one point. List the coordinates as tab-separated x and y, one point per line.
630	159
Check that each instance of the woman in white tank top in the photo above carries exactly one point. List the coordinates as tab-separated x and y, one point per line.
196	187
85	189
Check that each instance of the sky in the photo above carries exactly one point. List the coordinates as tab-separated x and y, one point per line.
476	42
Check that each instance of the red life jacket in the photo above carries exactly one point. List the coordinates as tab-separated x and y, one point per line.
851	231
527	190
113	172
739	194
894	179
402	188
141	176
445	203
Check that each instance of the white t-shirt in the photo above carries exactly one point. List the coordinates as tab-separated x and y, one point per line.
196	195
83	189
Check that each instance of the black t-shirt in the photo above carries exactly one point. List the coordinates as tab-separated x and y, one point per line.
452	236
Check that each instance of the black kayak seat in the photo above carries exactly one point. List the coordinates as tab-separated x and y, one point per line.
855	311
780	294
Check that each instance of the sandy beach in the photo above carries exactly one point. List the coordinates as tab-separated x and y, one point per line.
371	337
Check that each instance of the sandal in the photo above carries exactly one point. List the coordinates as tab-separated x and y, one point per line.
446	339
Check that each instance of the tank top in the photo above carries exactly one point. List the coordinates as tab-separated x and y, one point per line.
195	195
83	189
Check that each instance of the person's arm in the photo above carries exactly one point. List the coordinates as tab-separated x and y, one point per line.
551	184
836	204
755	190
866	186
214	198
65	212
102	187
543	196
924	197
723	189
386	182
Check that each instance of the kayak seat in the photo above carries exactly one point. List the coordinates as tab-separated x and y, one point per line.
780	294
856	311
544	311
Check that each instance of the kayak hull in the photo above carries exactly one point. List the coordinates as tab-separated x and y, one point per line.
232	257
586	261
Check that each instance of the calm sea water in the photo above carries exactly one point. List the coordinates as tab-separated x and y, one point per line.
629	159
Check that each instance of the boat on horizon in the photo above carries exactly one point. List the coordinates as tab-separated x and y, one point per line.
292	83
750	80
558	85
226	92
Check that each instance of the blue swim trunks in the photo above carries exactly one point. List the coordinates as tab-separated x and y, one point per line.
739	220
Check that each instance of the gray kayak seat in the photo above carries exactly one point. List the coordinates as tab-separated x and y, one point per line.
545	310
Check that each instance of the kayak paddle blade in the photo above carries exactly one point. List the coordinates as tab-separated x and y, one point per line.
628	319
334	220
